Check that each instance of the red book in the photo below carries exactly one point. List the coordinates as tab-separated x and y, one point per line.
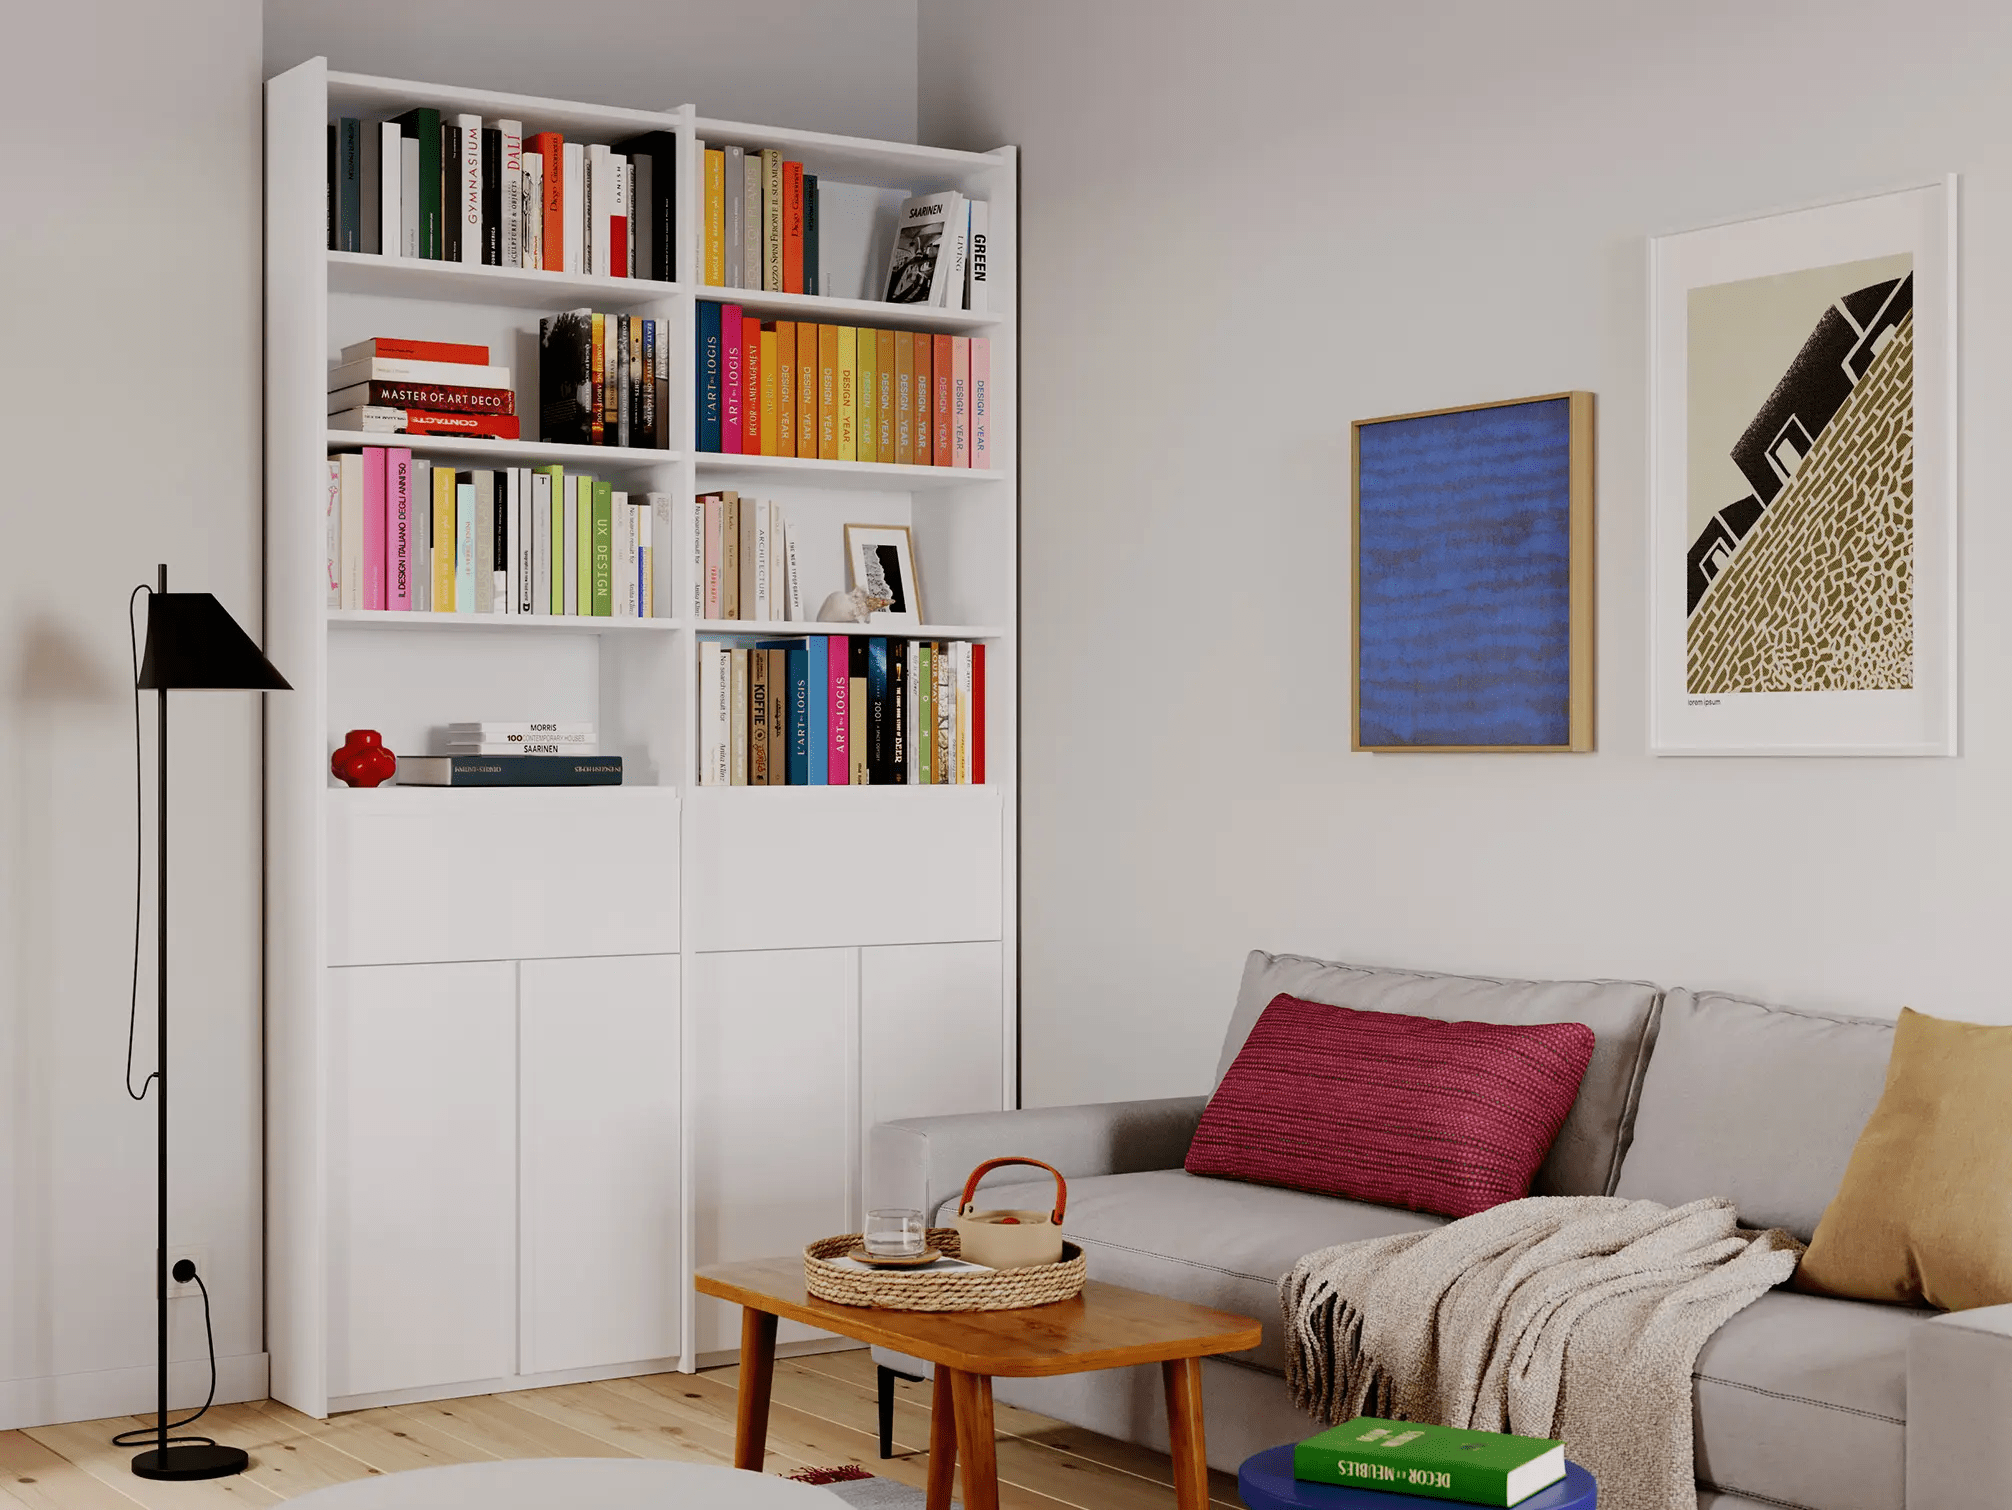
751	386
978	714
838	770
940	377
424	422
380	394
618	245
731	382
552	147
416	351
792	228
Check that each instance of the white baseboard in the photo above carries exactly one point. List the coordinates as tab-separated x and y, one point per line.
501	1385
127	1391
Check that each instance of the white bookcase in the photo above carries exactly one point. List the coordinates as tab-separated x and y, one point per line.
534	1055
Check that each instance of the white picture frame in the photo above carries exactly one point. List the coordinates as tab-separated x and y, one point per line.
878	554
1749	650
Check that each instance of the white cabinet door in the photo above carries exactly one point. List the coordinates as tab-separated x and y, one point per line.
600	1233
422	1169
932	1042
773	1114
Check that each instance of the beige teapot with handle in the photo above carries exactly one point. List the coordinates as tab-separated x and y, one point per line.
1006	1239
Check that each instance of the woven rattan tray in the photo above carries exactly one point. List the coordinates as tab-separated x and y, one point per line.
969	1290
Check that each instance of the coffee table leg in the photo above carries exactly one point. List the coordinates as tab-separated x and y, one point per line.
1183	1378
942	1442
973	1395
757	1377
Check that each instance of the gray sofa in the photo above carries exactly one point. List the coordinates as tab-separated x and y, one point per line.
1799	1400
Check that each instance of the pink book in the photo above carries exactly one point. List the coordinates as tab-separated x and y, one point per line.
373	527
714	527
960	401
403	559
730	377
839	771
981	403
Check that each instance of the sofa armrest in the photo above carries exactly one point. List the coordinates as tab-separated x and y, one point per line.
1959	1410
924	1161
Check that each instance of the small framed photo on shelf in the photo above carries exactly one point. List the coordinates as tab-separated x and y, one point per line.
880	561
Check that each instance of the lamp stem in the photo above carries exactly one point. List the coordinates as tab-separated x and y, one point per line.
161	1056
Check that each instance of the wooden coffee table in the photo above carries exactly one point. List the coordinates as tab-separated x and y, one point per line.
1104	1327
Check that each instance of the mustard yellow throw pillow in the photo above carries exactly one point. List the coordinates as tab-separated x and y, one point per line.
1925	1211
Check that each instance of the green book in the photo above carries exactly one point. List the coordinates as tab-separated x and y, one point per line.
555	540
924	755
604	549
1434	1462
425	125
583	546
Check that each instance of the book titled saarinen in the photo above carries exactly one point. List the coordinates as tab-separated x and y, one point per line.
1434	1462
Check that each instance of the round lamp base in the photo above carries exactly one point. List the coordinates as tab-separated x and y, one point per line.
191	1461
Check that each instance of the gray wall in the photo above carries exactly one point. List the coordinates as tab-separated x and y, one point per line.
1238	235
822	66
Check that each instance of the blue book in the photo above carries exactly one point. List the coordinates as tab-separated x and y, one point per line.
879	766
709	376
817	723
794	709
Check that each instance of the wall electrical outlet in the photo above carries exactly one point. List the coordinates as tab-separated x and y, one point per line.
199	1254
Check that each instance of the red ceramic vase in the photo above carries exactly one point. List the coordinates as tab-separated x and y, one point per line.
363	760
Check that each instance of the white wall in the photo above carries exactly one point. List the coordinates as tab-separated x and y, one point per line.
129	420
821	66
1242	230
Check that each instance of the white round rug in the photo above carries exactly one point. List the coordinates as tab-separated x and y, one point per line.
574	1483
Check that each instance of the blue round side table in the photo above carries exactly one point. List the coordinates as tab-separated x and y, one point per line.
1266	1483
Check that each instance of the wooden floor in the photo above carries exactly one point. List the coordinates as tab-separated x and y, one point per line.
823	1415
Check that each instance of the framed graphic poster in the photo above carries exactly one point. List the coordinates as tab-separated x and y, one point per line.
1802	482
1474	578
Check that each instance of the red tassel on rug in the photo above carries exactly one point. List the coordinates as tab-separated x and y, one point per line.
840	1475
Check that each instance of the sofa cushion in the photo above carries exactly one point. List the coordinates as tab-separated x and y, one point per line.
1218	1243
1449	1117
1802	1400
1759	1104
1622	1014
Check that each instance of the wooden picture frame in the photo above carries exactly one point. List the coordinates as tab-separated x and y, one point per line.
1472	595
901	575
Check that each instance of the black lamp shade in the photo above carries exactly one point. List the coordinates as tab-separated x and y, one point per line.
192	641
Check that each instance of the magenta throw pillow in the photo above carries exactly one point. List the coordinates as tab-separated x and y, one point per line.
1448	1117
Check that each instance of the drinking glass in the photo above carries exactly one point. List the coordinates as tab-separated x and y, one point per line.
896	1232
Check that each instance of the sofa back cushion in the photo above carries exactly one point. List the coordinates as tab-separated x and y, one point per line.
1446	1117
1586	1156
1759	1104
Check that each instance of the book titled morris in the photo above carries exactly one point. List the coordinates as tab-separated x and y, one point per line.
510	770
1434	1462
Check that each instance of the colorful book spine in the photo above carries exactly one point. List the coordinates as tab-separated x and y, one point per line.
709	395
827	392
817	731
866	396
941	445
731	379
878	735
332	529
925	713
792	228
883	400
839	724
856	711
848	393
806	389
399	563
904	399
981	403
466	525
445	509
960	401
751	380
784	366
352	530
978	714
715	217
923	350
813	280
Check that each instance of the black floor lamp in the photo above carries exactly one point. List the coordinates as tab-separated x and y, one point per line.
192	642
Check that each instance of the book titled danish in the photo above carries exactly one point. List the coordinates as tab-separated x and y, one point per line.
566	378
1433	1462
510	770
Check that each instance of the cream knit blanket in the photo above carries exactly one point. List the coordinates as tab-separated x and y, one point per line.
1573	1317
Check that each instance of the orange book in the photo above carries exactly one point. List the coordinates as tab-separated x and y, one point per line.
785	387
806	389
925	401
827	392
751	435
939	381
883	401
904	399
767	405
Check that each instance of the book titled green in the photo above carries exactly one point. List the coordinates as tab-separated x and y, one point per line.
1435	1462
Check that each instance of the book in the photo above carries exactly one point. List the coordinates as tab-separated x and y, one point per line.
733	178
352	531
792	577
708	378
535	731
758	718
827	393
531	209
730	556
758	539
509	191
485	553
978	714
796	680
924	699
714	711
960	652
817	721
469	199
408	370
541	540
925	400
450	192
806	389
940	379
848	393
751	222
385	420
619	189
422	126
746	579
777	659
655	157
408	194
751	376
981	403
492	197
376	518
785	387
732	389
813	271
509	770
600	211
919	263
422	535
565	378
350	197
602	566
857	749
792	228
977	294
332	529
737	732
435	396
883	400
388	148
527	747
715	211
866	395
943	759
838	721
446	511
513	578
1435	1462
771	208
904	399
467	540
573	208
897	752
960	401
550	149
879	748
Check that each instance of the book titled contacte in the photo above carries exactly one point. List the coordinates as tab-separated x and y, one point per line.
1434	1462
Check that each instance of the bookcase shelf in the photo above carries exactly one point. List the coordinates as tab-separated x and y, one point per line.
511	288
639	979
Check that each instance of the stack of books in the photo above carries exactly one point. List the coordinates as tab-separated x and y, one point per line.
408	535
535	737
938	254
1433	1462
842	392
760	220
603	380
743	560
532	753
838	710
388	386
458	189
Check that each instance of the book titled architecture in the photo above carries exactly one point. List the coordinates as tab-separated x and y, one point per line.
1434	1462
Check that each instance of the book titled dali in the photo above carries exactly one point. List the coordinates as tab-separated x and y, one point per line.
1434	1462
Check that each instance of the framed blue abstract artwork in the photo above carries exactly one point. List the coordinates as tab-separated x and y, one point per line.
1474	577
